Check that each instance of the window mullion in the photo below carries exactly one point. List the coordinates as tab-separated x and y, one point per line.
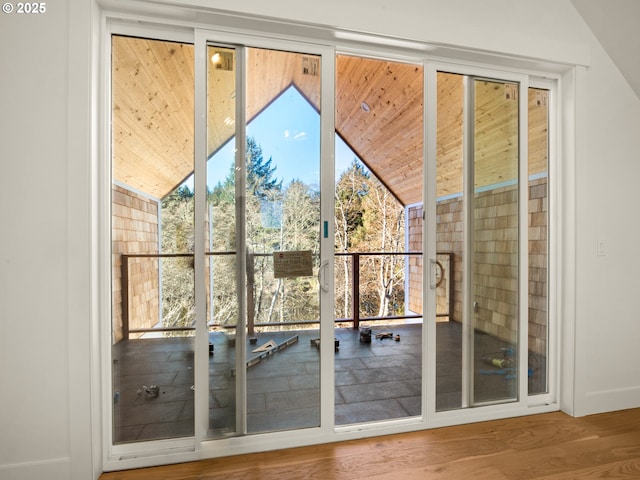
200	188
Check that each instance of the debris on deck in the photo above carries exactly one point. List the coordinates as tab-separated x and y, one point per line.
265	347
365	334
315	342
268	349
383	335
151	391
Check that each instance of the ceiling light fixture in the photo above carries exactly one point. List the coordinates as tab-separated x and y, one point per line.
365	107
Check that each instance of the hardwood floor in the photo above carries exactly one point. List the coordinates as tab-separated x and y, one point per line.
541	447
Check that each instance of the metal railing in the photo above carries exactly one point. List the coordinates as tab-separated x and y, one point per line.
355	287
355	319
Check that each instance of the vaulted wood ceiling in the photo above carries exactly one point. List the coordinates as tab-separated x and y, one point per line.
152	121
379	114
387	133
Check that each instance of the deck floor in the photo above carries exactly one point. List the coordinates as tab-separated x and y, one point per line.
376	381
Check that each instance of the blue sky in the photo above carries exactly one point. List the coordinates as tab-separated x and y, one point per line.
288	131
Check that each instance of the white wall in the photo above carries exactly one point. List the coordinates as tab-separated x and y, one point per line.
34	378
47	347
542	29
607	173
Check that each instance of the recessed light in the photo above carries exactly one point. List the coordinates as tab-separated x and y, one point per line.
365	107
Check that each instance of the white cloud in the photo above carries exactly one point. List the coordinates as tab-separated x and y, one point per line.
295	135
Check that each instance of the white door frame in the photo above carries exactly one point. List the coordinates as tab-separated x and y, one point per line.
524	403
192	448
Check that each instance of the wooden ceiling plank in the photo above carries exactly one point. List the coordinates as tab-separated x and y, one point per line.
388	138
156	138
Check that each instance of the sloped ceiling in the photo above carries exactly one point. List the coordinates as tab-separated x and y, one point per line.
616	25
379	113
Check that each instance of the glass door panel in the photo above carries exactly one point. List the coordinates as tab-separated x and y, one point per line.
477	157
221	259
494	241
264	258
378	238
450	234
538	241
152	238
282	216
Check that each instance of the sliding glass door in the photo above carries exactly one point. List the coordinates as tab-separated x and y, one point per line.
320	243
152	238
379	240
489	210
217	237
263	249
494	240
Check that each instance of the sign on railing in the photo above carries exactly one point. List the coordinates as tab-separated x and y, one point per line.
292	264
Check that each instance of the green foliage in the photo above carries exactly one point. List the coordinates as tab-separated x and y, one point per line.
260	173
178	236
276	218
351	190
369	219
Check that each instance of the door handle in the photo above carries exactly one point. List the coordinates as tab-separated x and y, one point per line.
432	273
322	276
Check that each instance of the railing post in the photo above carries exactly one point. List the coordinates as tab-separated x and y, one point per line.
251	307
124	286
355	294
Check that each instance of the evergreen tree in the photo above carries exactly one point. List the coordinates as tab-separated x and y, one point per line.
260	173
263	196
351	189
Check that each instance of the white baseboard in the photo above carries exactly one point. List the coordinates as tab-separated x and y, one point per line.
54	469
612	400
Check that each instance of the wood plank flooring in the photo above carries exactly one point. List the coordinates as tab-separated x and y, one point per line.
550	446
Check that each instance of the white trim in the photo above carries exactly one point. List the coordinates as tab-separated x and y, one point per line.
523	242
571	382
429	188
199	13
241	240
85	443
467	263
524	399
53	468
327	245
553	328
201	354
112	452
314	436
103	197
132	27
243	41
